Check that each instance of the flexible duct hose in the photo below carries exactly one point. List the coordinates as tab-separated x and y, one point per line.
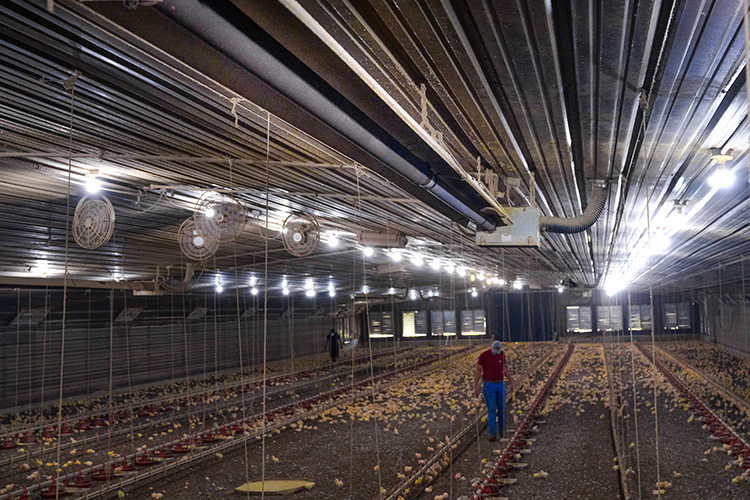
587	219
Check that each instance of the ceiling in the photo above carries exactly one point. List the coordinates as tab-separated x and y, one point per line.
555	94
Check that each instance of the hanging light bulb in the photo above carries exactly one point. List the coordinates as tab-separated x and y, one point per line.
474	292
284	283
722	177
254	291
413	294
449	267
560	288
430	293
498	281
396	256
219	288
489	281
517	285
480	275
437	293
435	264
253	281
368	251
331	292
365	289
93	184
285	291
309	284
417	260
310	293
472	277
391	291
333	241
461	271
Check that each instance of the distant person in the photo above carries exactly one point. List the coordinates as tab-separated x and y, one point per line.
493	369
333	342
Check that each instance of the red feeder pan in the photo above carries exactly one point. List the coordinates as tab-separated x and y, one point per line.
162	453
98	422
8	444
52	491
101	474
179	448
209	438
24	495
127	466
48	434
66	428
144	460
78	483
82	425
225	432
27	437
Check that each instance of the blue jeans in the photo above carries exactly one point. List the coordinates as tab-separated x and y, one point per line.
494	396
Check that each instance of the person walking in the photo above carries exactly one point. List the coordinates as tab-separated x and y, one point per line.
493	369
333	341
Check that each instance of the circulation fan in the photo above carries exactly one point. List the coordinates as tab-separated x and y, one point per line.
219	217
194	244
93	222
300	234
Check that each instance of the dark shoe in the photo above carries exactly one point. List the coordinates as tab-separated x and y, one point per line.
493	438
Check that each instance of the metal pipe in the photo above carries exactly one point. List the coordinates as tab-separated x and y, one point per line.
218	31
570	225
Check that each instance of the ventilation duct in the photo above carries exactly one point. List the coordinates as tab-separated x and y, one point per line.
587	219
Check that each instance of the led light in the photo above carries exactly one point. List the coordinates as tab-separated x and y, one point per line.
368	251
430	293
480	275
42	269
560	288
93	185
219	288
285	291
253	281
435	264
489	281
210	212
472	277
722	178
284	283
254	291
417	260
498	281
331	292
310	293
391	291
461	271
365	289
437	293
309	284
517	285
474	292
449	267
413	294
333	241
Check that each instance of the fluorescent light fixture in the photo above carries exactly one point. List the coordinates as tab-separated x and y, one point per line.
368	251
93	185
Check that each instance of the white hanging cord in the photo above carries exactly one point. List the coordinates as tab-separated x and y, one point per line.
235	101
369	342
265	314
58	467
239	332
44	348
111	363
635	399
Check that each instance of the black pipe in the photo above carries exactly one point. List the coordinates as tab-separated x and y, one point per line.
222	34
